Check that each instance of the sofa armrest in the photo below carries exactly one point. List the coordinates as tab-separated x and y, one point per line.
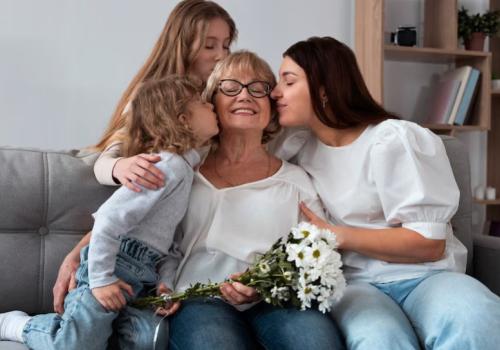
487	261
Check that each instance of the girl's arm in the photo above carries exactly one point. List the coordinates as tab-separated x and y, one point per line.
112	169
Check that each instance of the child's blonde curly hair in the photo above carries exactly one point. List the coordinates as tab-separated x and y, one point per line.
153	124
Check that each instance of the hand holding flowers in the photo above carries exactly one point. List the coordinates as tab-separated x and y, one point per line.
302	270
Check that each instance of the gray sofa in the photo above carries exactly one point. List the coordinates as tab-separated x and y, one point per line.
46	199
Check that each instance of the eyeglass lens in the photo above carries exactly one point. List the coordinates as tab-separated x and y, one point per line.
257	89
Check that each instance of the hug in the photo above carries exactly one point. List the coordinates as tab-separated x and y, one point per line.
216	158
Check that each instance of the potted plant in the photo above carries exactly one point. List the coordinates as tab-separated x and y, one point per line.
495	82
473	29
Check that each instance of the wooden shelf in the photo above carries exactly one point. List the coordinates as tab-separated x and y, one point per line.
426	54
487	202
495	93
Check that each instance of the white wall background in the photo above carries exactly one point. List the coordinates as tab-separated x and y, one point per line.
64	64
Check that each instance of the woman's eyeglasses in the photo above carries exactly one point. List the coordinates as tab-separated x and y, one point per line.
258	89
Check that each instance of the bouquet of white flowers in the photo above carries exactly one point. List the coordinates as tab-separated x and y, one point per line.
304	268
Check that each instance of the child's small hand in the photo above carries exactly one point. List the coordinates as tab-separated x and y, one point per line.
169	309
111	296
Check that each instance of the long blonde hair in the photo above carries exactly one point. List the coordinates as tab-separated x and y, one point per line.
153	123
173	53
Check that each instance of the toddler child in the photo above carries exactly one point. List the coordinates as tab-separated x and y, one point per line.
130	248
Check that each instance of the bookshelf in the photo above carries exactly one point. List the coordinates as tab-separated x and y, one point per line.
493	158
440	45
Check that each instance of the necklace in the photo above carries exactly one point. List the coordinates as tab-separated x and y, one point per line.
232	184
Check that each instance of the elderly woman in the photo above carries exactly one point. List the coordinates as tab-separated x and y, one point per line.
242	200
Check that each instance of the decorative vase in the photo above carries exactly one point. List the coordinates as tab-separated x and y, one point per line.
475	41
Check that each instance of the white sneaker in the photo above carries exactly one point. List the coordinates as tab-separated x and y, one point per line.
12	325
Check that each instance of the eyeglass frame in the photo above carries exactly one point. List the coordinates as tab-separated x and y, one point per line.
245	86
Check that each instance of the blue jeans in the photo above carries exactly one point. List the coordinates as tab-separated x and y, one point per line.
444	310
85	324
210	323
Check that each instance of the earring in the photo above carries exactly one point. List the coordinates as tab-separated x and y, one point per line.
323	102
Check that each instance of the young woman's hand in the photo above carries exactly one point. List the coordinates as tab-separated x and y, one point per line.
313	218
111	296
139	170
170	309
65	281
237	293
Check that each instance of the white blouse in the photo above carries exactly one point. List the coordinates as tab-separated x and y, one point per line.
394	174
224	229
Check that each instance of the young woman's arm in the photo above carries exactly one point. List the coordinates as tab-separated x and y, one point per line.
396	245
66	281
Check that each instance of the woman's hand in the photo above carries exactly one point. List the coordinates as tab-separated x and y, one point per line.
66	280
111	296
313	218
237	293
139	170
170	309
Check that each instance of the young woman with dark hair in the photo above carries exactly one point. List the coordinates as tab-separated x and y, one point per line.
389	193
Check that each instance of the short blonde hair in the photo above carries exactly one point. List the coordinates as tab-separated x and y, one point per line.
153	124
245	62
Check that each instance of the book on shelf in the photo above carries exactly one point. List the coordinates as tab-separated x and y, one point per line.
452	96
470	92
442	98
462	75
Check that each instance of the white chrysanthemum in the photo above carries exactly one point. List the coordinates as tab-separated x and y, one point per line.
264	267
306	294
296	254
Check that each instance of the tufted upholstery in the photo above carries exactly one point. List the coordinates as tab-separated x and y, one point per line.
46	202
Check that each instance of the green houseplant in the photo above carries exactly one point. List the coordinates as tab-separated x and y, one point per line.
474	28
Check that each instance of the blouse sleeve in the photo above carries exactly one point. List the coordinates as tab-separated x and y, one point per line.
414	179
103	167
288	143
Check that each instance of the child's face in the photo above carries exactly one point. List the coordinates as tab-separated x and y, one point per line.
215	49
202	120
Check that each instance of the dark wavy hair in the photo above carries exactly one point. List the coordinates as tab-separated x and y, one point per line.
331	65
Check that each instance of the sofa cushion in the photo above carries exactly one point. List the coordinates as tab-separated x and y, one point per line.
47	199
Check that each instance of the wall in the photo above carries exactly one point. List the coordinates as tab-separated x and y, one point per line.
64	64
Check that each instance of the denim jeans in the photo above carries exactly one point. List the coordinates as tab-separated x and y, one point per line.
444	310
210	323
85	324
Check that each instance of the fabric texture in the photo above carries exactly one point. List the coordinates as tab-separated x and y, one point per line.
150	216
395	174
218	325
225	229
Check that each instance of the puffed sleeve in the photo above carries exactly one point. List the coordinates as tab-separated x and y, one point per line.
414	179
288	143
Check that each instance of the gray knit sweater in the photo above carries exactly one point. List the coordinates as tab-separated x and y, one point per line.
150	216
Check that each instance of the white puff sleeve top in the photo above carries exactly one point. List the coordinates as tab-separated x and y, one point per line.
395	174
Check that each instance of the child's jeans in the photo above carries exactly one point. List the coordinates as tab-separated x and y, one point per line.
85	324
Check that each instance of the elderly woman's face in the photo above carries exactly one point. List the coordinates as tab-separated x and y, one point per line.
242	102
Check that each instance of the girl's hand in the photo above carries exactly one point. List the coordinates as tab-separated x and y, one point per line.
237	293
65	281
139	170
170	309
313	218
111	296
